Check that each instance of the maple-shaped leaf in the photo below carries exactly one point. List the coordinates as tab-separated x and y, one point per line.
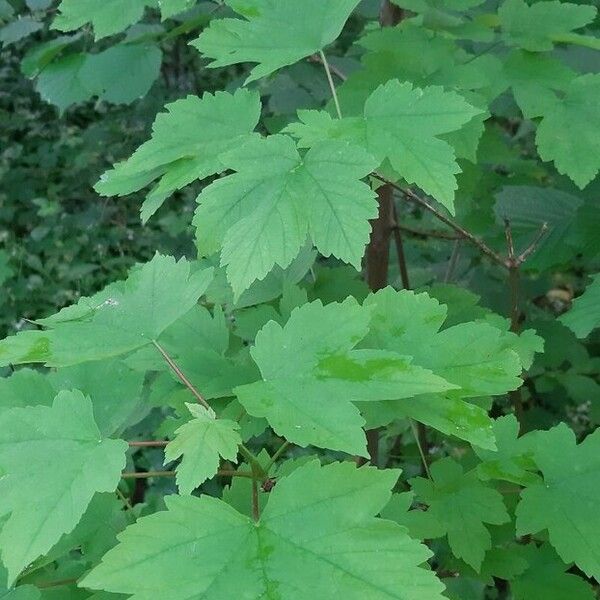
260	216
273	33
120	319
475	356
513	459
566	134
566	502
186	145
403	124
316	538
536	27
462	505
108	17
201	442
584	315
546	577
312	373
53	461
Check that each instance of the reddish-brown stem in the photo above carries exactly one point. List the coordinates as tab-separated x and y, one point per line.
181	376
148	474
378	249
148	444
442	235
410	195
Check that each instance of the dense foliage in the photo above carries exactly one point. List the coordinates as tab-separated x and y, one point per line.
285	239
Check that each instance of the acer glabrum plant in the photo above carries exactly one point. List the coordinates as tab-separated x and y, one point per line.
462	136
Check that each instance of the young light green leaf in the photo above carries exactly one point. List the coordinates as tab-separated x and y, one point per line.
129	316
402	123
312	374
261	215
186	145
566	134
536	27
566	502
463	505
50	457
200	442
317	517
584	315
275	33
108	17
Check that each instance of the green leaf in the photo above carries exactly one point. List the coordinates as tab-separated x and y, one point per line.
584	315
108	17
38	57
463	505
201	441
533	78
275	33
127	317
566	134
170	8
311	359
566	502
475	356
402	123
199	344
139	66
261	215
536	27
546	578
19	29
51	458
113	405
186	145
23	592
318	517
60	83
513	460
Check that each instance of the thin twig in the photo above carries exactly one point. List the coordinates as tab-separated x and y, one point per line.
337	72
182	376
255	500
509	240
400	250
420	447
408	193
277	454
531	248
331	84
452	262
148	474
148	444
442	235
